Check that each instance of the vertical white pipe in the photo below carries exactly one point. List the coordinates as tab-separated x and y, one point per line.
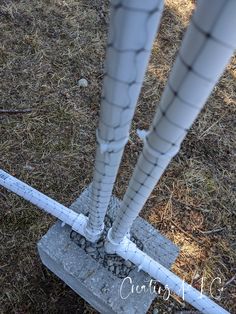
132	30
206	49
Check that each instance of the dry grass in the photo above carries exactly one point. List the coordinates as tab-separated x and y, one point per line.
46	46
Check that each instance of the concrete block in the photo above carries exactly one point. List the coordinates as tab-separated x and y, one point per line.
107	293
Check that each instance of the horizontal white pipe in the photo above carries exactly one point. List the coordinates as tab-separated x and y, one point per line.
77	221
129	251
132	29
206	50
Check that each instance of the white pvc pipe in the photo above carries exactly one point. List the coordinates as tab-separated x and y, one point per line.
206	49
132	30
129	251
126	249
77	221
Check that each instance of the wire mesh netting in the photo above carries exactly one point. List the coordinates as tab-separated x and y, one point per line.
131	34
206	49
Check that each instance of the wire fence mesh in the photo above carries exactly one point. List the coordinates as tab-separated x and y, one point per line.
205	52
132	31
206	49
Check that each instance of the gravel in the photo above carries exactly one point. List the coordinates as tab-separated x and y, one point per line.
83	82
114	263
128	264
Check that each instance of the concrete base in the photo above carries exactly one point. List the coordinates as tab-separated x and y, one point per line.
107	293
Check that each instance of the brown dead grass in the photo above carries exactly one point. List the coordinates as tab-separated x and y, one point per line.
46	46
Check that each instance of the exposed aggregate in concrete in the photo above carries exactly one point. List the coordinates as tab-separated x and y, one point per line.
114	263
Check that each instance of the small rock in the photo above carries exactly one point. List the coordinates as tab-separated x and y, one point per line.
155	311
102	255
73	235
94	255
83	82
117	271
28	167
109	263
197	276
82	241
100	244
111	268
90	249
108	224
100	260
128	264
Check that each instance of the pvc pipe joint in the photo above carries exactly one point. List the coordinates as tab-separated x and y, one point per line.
80	225
91	235
112	246
106	146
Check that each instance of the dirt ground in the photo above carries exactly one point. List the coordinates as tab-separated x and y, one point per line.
45	47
